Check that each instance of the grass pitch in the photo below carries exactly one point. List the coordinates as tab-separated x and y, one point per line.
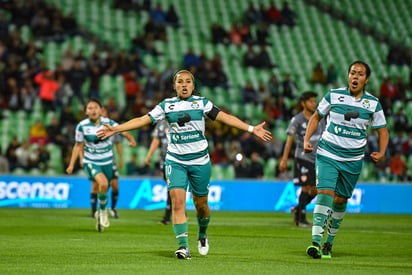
64	241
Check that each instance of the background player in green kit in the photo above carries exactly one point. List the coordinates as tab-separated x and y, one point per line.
350	111
187	162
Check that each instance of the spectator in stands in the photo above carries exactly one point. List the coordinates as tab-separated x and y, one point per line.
252	15
235	35
132	89
28	95
241	166
76	77
41	157
190	59
172	18
47	90
24	157
4	164
388	94
14	103
331	75
249	57
318	75
262	34
263	59
288	16
274	86
288	86
219	155
11	152
38	133
54	132
256	170
249	94
273	15
400	120
398	168
219	34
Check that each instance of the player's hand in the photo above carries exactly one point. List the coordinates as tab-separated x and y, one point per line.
307	147
69	170
283	165
261	132
132	142
105	132
147	161
377	156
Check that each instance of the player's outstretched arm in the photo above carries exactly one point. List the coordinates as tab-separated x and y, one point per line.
257	130
135	123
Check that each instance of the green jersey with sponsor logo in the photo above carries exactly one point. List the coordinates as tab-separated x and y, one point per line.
187	143
97	151
348	120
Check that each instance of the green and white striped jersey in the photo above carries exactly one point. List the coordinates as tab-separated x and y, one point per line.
187	143
348	119
97	151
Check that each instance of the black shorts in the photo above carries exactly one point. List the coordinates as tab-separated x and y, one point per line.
304	173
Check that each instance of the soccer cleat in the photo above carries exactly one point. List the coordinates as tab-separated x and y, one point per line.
104	218
113	213
314	250
183	253
99	226
203	246
165	222
327	251
304	223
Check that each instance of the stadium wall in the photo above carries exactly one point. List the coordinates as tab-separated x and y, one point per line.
231	195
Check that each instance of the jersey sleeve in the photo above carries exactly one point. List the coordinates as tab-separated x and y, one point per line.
324	105
79	135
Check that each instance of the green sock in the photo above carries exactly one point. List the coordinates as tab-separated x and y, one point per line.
102	199
203	224
181	233
320	215
338	212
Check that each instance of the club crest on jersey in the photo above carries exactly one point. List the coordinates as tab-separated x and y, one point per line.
366	104
195	105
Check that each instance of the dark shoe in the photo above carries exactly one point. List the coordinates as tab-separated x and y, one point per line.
304	224
165	222
327	251
314	251
183	253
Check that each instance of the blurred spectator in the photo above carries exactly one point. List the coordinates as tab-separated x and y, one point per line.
38	133
28	95
47	90
318	75
172	17
133	168
14	103
288	16
274	86
24	157
234	34
252	15
388	94
241	166
256	170
398	167
263	60
219	34
42	157
132	89
331	75
11	152
54	132
262	34
76	77
400	120
219	156
249	94
289	86
190	59
4	164
273	14
250	57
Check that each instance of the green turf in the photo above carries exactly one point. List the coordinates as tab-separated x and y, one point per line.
61	241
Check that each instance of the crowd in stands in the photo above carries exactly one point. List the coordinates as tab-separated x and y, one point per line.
25	78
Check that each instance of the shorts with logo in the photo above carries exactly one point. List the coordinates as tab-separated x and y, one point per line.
182	176
338	176
304	173
93	169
